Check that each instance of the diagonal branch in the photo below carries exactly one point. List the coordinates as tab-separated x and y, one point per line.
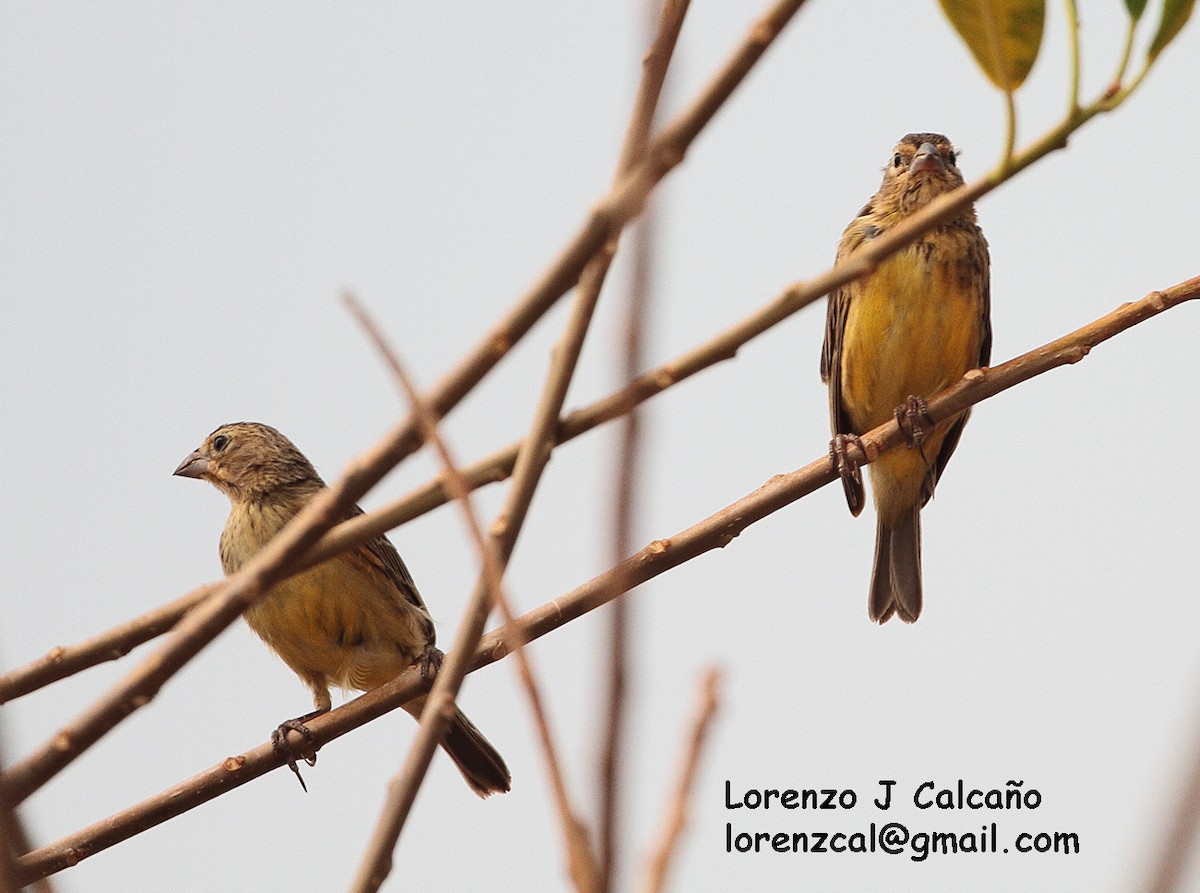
63	661
715	531
229	774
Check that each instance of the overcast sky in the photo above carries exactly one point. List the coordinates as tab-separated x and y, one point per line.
187	188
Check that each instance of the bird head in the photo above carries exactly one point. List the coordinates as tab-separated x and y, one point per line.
922	167
248	460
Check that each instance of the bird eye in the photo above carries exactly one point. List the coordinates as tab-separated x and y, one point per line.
897	161
952	157
220	442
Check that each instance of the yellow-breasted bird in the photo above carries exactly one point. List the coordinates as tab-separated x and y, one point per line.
910	328
355	621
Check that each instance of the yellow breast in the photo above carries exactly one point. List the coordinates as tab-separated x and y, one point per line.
913	327
341	621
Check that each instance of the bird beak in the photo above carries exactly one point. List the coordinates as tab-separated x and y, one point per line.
926	159
194	466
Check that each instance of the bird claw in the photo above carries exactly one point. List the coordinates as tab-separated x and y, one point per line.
429	661
284	749
914	420
848	470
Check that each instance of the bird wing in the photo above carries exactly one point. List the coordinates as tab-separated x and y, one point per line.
838	308
859	230
978	260
382	555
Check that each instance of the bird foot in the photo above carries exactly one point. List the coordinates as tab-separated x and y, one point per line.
279	741
848	470
429	661
914	420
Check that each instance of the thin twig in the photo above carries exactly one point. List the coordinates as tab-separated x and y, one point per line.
61	662
670	19
715	531
535	449
1076	62
620	626
675	821
530	463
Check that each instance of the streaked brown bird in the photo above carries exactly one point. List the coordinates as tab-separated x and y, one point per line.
912	327
355	621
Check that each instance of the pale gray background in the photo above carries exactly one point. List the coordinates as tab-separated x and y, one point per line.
186	188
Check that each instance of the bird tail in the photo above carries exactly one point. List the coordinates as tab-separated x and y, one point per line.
481	765
896	578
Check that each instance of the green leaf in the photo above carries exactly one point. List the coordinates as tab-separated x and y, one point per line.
1003	35
1136	8
1174	16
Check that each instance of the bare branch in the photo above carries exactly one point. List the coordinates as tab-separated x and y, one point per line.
654	74
676	818
230	773
115	643
670	21
623	515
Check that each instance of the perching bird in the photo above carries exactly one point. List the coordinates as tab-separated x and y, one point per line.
355	621
913	326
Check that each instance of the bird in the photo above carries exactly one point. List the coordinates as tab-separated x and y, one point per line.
355	621
911	327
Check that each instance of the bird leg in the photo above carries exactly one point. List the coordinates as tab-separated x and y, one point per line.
279	741
847	469
915	422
